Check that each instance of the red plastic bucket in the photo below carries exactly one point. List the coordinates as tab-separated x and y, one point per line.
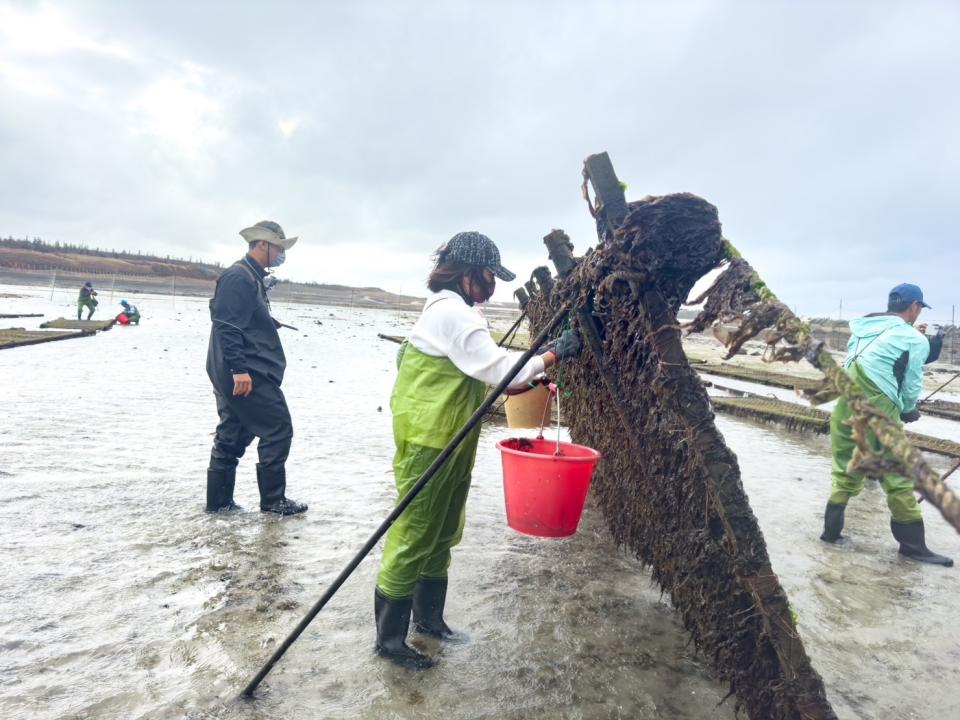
544	493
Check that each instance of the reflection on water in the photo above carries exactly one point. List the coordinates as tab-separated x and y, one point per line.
123	599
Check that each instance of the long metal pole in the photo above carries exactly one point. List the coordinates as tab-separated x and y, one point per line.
407	499
513	328
950	472
939	389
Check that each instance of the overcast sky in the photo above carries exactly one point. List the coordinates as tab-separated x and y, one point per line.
825	132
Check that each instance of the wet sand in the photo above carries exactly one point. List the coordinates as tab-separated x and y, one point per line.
123	599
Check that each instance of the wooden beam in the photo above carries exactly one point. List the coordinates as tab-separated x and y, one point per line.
610	200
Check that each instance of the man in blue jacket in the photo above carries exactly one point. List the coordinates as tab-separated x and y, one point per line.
245	363
885	357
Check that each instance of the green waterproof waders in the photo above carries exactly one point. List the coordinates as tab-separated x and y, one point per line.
89	303
431	401
845	485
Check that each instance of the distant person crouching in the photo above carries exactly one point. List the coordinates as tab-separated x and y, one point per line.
88	300
129	315
245	363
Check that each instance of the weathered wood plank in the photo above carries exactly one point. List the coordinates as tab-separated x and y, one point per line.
803	417
18	337
65	324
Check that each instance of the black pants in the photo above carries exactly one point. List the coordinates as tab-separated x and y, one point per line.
263	414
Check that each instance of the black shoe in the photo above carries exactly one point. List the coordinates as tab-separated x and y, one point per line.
429	599
913	544
273	485
833	523
393	621
220	490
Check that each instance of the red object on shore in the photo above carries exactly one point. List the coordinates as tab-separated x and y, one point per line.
544	492
123	319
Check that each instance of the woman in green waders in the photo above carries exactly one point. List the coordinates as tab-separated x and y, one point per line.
444	367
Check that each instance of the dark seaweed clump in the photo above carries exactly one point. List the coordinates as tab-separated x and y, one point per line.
668	486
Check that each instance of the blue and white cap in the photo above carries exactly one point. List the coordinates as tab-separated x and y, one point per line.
473	248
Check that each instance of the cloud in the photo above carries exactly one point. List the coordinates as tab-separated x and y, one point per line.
179	111
47	32
288	126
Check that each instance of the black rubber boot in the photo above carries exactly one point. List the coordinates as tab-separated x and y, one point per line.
273	485
220	490
833	523
429	599
913	544
393	621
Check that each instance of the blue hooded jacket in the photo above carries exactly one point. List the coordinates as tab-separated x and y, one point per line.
891	352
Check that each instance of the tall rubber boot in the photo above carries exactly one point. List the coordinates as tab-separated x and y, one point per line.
220	490
429	599
273	485
393	621
833	523
911	537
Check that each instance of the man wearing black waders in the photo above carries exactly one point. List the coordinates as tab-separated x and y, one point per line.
885	358
245	363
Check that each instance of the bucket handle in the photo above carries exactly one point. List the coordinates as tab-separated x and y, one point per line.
553	390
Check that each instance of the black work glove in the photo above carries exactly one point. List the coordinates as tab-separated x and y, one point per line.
566	346
909	417
936	346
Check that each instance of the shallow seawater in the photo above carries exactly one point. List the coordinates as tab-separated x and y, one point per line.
122	599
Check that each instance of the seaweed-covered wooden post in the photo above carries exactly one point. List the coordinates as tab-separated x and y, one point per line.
531	287
669	488
544	280
522	297
560	251
610	207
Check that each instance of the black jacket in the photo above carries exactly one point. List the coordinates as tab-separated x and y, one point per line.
243	336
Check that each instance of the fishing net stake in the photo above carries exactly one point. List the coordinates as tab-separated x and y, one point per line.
406	500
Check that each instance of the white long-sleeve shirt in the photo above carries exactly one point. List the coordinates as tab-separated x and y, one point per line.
450	328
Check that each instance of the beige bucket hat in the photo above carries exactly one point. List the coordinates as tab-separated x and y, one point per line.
269	231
